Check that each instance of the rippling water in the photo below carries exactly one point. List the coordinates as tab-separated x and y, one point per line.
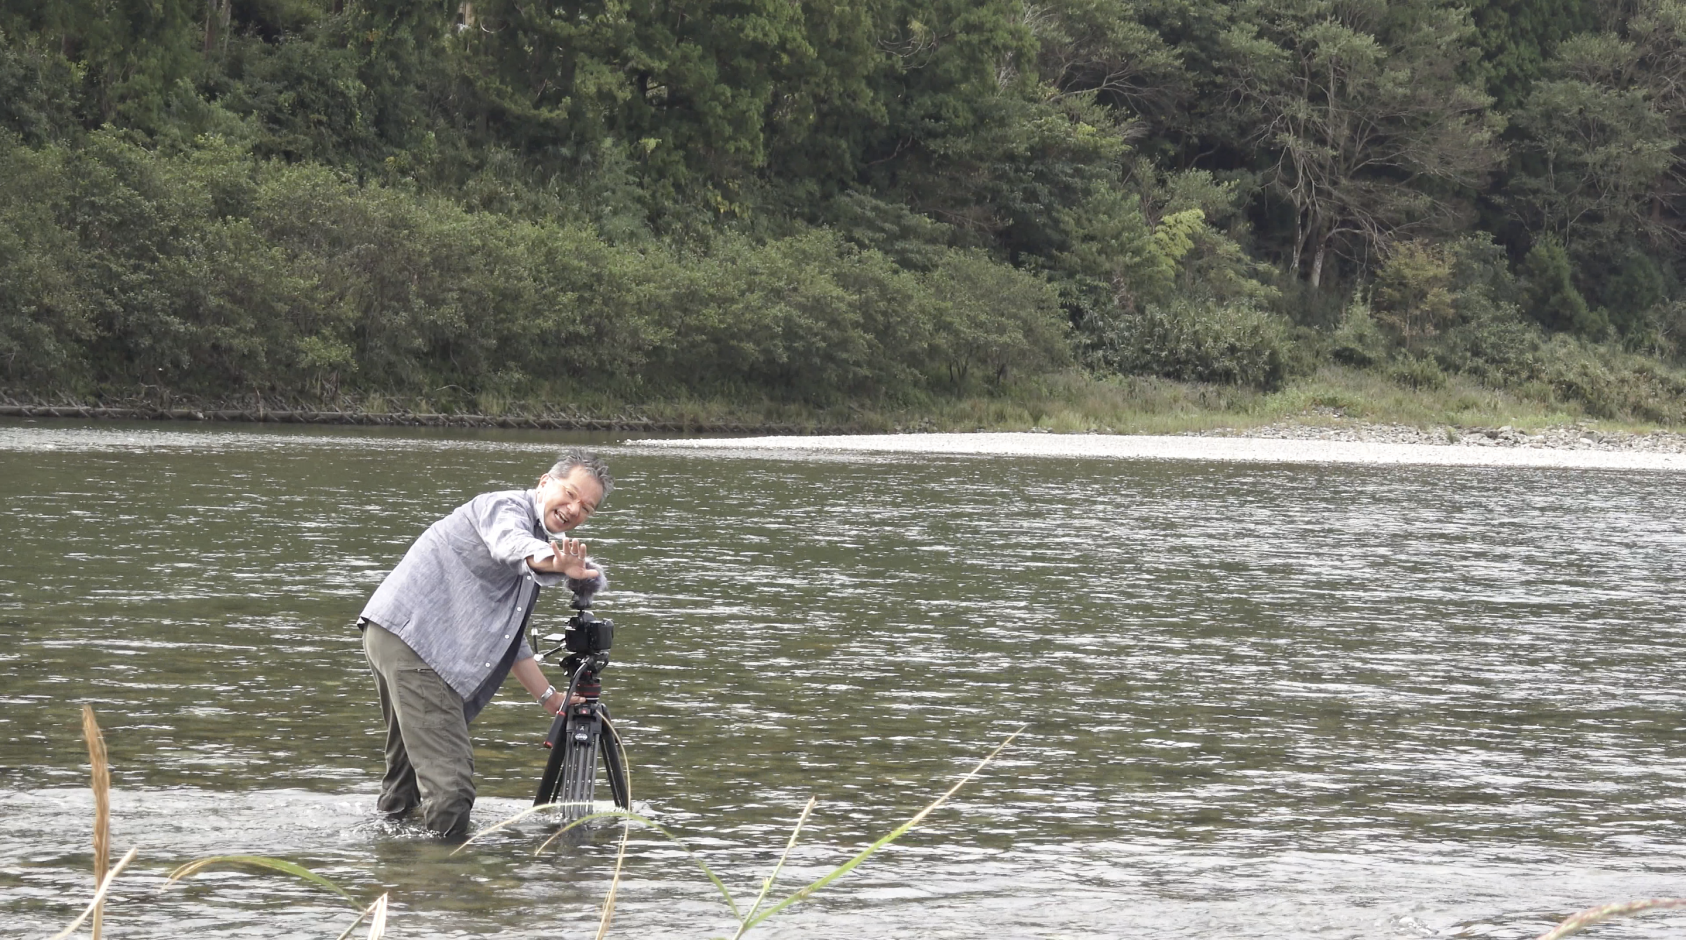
1276	700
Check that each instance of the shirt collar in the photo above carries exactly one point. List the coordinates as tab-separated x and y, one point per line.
538	520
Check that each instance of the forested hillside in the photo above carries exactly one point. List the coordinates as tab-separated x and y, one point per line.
840	200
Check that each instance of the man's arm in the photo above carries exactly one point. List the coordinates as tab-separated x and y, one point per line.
505	525
532	679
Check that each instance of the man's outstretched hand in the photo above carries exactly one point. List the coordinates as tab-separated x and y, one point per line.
567	557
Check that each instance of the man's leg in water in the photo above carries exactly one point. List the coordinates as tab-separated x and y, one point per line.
430	759
398	786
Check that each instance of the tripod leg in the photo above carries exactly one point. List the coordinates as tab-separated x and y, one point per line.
613	766
579	765
551	783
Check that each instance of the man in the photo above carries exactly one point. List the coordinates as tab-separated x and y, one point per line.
448	625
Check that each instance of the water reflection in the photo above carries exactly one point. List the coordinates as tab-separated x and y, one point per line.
1274	700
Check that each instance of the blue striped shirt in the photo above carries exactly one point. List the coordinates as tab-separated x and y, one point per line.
461	594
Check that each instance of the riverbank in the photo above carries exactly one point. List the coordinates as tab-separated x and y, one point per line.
1335	404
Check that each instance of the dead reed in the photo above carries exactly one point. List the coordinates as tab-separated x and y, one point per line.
105	873
101	767
1592	915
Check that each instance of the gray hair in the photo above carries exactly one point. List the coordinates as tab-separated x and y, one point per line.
588	461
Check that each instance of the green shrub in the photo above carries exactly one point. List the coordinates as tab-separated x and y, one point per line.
37	92
1498	348
1632	291
1423	374
1359	340
1550	297
994	317
1612	384
45	315
1414	296
1194	341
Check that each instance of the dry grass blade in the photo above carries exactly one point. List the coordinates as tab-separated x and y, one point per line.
582	821
377	920
901	830
101	765
507	822
614	884
257	861
367	912
1592	915
99	895
767	885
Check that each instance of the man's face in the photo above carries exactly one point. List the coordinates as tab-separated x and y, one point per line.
565	502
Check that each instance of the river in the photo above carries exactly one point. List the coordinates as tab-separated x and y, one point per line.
1295	697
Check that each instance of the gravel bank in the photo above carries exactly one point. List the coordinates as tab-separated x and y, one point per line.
1304	445
1559	438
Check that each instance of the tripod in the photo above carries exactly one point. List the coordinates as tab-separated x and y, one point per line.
583	730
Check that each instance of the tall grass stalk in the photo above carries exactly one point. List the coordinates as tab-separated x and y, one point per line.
614	884
1592	915
506	823
620	855
101	769
651	823
626	834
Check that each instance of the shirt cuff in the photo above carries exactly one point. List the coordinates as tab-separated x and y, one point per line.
544	578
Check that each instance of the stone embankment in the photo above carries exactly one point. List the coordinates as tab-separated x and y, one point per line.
1572	437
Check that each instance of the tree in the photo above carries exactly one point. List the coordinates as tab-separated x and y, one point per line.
1593	148
1102	47
1515	38
133	53
688	85
1413	292
1369	132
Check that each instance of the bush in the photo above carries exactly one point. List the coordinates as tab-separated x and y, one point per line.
1359	340
994	317
1421	374
216	274
44	315
1550	297
1413	298
1200	341
37	92
1612	384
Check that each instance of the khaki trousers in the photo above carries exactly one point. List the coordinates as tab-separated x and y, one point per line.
429	757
